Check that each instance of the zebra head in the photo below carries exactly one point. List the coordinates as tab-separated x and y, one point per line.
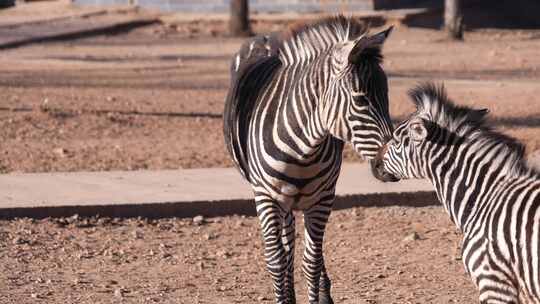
433	132
357	97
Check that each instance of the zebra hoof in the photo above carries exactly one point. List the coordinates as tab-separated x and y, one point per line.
325	299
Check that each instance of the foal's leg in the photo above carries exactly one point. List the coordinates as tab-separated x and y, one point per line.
315	220
495	293
288	238
271	220
495	279
495	285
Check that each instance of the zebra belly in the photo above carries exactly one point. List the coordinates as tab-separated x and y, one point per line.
297	196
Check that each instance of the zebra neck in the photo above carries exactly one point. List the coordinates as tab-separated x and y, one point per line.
291	115
468	179
307	89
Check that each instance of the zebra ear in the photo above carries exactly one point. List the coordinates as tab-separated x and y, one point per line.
417	129
367	42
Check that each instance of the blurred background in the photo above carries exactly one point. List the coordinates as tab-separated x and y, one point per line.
103	85
140	84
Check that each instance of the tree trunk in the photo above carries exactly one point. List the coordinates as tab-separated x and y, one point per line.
6	3
453	19
239	20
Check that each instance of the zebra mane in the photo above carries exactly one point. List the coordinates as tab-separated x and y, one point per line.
433	104
306	42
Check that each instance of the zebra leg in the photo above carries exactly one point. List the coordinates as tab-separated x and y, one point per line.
271	220
324	287
288	238
315	220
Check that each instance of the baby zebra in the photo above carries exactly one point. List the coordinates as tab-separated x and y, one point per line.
485	185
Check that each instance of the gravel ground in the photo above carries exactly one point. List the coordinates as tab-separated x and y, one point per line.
374	255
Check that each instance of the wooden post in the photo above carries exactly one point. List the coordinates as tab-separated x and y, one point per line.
453	19
6	3
239	20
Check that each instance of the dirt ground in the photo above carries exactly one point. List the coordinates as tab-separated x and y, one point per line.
369	252
153	98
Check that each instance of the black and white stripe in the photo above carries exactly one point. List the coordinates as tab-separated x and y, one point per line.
486	187
295	99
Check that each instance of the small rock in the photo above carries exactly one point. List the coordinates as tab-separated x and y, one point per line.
118	293
198	220
102	221
84	224
34	295
60	152
61	222
18	241
224	254
44	104
137	234
165	226
111	98
210	236
411	237
261	298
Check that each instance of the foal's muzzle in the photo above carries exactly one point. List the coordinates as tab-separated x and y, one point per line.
377	167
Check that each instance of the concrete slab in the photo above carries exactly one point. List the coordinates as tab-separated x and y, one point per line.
182	193
177	193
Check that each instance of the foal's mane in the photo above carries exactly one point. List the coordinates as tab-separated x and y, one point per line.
433	104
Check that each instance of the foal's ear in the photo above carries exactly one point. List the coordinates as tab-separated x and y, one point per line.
418	130
368	42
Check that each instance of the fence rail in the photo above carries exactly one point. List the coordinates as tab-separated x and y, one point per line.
266	6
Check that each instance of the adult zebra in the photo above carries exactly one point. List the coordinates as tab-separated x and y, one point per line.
294	100
485	185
